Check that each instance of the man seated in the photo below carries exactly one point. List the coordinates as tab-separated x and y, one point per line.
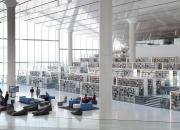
85	99
46	98
94	101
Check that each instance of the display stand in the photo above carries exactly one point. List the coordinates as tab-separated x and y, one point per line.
12	93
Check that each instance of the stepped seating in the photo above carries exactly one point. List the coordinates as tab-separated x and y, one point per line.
153	102
140	100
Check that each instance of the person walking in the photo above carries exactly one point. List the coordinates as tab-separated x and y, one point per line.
32	92
37	92
6	98
0	92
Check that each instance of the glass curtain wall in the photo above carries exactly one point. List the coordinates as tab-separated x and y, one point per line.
84	46
37	45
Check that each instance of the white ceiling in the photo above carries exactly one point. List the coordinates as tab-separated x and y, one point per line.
156	18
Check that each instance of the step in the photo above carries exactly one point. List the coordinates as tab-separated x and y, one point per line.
156	106
152	103
155	100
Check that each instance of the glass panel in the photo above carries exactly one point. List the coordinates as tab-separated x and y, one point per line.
37	51
31	51
45	49
23	51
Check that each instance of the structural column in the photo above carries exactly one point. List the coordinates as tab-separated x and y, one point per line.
154	87
11	77
105	90
132	40
59	61
70	40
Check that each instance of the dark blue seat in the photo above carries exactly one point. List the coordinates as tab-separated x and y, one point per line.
25	100
86	106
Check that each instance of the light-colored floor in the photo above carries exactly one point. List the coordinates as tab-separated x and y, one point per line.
125	116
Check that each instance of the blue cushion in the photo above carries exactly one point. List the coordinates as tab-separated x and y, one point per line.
86	106
51	97
71	102
24	99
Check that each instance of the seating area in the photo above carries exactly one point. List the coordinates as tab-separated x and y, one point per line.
43	107
77	104
37	108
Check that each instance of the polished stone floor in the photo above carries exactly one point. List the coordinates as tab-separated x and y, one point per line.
125	116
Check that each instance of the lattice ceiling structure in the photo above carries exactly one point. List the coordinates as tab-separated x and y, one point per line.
156	19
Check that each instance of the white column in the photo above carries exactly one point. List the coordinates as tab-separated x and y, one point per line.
145	87
70	40
11	77
154	87
105	90
132	40
59	60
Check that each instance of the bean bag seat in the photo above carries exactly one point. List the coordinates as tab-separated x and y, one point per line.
20	113
39	113
44	103
3	108
33	107
47	108
10	109
77	112
62	102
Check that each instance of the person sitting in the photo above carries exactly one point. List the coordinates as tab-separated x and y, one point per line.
1	92
6	98
2	100
65	99
46	98
94	101
85	99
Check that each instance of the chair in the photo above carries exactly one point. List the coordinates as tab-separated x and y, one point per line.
19	113
77	112
39	113
33	107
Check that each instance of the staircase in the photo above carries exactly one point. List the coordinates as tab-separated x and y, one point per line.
153	102
140	100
